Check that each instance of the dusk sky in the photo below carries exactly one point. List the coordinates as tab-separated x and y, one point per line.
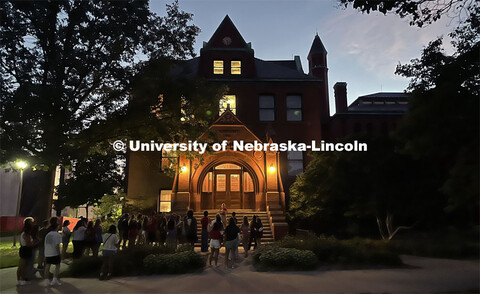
363	49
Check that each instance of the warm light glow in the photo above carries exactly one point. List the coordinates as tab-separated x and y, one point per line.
21	164
271	168
236	67
218	67
229	100
184	168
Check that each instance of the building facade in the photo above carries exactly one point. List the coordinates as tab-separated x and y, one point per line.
267	101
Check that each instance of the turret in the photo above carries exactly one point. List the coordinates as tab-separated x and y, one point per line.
317	66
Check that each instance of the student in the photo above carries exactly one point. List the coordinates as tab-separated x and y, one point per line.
90	239
78	237
132	231
30	272
41	235
190	224
231	239
245	235
25	252
253	232
110	245
66	233
171	238
223	214
216	241
205	222
259	233
98	236
52	253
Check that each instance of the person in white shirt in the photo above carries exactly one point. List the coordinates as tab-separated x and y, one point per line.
78	237
52	252
110	244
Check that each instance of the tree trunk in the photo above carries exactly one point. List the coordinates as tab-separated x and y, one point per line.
86	211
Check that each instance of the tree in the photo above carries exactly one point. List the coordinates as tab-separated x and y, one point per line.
91	179
442	124
420	12
66	66
346	193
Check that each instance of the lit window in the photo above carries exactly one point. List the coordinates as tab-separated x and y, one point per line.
295	162
218	67
229	100
165	201
266	105
236	67
294	108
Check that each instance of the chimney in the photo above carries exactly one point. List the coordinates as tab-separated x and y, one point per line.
340	89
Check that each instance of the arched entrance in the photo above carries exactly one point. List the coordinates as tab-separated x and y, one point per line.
227	183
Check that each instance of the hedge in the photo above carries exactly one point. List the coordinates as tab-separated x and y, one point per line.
176	263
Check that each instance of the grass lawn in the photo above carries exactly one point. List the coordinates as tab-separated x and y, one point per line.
9	256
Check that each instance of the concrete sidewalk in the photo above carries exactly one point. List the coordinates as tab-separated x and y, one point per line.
424	275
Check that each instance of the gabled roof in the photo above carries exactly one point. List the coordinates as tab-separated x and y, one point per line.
317	46
228	118
227	36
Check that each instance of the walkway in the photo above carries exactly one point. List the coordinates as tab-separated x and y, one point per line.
425	275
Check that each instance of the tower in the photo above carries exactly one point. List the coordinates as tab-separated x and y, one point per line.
317	66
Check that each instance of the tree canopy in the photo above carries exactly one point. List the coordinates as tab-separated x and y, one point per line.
420	12
66	65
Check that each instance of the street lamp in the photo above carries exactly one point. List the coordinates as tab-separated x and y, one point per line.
21	165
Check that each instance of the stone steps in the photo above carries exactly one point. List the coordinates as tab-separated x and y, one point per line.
267	230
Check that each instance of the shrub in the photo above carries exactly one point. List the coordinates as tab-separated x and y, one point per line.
347	252
125	263
176	263
85	266
287	258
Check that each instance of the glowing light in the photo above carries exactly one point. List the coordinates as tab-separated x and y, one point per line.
184	168
209	112
271	169
21	164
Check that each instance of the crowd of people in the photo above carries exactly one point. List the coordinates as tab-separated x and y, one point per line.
158	229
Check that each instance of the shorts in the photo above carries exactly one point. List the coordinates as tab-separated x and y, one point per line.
53	259
231	244
108	252
214	243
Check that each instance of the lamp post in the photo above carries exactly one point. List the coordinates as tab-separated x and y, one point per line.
21	165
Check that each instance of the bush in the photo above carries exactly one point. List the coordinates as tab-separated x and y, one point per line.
126	262
176	263
330	251
286	259
85	266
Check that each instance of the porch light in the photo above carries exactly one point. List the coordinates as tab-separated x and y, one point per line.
271	168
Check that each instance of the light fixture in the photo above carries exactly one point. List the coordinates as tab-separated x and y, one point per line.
21	164
271	168
183	168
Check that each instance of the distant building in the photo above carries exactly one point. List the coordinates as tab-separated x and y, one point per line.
268	101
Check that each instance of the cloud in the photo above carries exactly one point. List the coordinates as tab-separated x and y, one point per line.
378	42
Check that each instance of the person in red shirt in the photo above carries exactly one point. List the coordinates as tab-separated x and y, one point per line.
205	222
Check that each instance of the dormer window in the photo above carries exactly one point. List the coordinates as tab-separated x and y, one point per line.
218	67
236	67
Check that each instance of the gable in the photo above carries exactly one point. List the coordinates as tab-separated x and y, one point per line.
227	36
